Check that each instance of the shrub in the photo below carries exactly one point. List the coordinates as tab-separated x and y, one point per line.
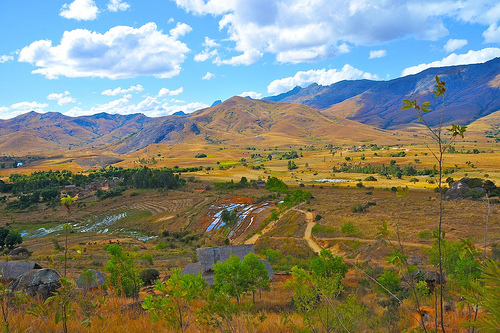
349	229
149	276
370	179
200	155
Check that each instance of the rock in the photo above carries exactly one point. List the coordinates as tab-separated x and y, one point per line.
20	252
457	190
449	306
91	279
41	283
414	260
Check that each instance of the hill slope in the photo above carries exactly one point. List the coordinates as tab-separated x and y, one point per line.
472	92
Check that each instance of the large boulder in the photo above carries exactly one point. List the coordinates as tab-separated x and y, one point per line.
457	190
41	283
91	279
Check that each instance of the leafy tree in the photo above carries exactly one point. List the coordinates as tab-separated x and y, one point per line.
442	146
3	234
179	293
236	277
485	293
229	217
67	202
124	276
274	184
13	238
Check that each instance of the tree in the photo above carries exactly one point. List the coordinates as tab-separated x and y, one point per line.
3	234
442	147
179	293
13	238
236	277
124	276
67	202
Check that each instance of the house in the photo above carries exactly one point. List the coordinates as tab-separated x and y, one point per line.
208	256
259	183
12	270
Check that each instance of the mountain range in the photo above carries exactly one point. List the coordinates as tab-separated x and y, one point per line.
344	112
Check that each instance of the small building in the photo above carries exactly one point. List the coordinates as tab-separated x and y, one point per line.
259	183
208	256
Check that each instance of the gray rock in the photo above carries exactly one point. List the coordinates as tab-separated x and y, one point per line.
41	283
91	279
457	190
414	260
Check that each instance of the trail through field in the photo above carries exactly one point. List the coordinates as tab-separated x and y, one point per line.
308	237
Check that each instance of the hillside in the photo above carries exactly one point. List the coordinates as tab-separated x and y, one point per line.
34	132
472	93
245	121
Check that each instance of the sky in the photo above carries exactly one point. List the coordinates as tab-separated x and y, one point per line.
158	57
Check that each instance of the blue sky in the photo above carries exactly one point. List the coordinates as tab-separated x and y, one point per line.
81	57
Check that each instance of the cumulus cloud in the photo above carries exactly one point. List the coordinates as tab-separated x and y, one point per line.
121	91
168	92
247	58
455	44
180	30
297	31
471	57
118	5
150	106
62	99
121	52
377	54
211	43
492	34
5	58
251	94
21	108
320	76
205	55
81	10
208	76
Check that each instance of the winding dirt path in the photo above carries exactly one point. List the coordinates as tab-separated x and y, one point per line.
308	237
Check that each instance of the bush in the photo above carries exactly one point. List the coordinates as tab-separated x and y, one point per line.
200	155
149	276
349	229
370	179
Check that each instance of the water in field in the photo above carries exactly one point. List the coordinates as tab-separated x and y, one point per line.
94	224
331	180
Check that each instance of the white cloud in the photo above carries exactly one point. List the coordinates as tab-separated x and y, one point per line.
205	55
492	34
62	99
118	5
320	76
200	7
21	108
81	10
168	92
150	106
251	94
247	58
377	54
302	31
471	57
121	52
121	91
208	76
5	58
455	44
211	43
180	30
